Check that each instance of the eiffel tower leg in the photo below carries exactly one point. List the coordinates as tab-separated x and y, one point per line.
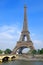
20	50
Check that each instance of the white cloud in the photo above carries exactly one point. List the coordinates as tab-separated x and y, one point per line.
8	36
38	44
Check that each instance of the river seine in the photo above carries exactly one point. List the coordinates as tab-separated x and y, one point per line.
22	63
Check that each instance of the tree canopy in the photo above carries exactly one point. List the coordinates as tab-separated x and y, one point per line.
1	51
7	51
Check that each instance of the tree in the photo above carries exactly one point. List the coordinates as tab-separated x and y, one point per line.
38	51
7	51
41	51
34	52
1	51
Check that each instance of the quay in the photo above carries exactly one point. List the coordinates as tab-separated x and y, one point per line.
38	57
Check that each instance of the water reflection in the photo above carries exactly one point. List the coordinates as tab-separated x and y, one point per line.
21	63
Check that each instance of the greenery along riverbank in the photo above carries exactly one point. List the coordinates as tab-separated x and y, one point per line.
8	51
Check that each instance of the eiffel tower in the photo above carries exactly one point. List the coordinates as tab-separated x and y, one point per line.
24	41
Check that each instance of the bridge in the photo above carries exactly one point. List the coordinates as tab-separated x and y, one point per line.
8	57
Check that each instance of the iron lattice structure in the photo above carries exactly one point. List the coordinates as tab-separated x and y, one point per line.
24	43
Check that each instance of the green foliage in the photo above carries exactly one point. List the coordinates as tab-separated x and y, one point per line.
34	52
41	51
1	51
38	51
7	51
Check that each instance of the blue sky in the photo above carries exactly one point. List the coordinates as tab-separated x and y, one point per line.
11	22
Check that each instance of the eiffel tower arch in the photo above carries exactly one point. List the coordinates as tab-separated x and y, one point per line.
24	41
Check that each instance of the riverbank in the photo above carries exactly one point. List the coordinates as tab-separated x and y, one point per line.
30	57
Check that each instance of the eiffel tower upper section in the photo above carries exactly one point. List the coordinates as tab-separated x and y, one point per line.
25	24
25	32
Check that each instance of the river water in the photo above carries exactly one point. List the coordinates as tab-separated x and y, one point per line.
22	63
